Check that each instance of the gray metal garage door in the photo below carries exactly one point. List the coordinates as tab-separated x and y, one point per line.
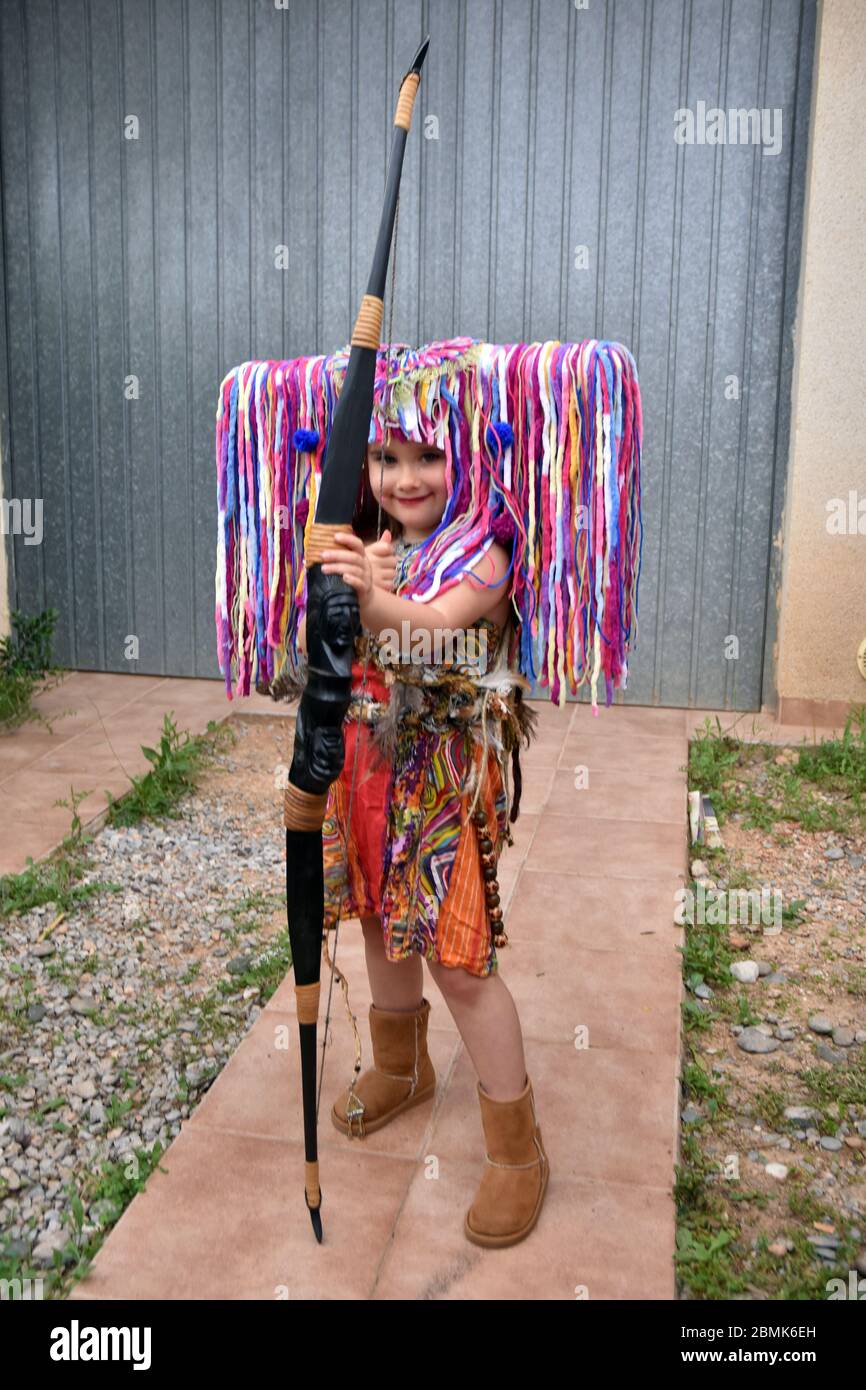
157	154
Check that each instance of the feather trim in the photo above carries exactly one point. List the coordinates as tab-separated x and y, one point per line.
289	685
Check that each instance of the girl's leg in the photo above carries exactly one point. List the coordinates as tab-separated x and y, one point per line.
486	1016
396	985
402	1074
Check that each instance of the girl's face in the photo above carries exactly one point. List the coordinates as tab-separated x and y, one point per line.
413	488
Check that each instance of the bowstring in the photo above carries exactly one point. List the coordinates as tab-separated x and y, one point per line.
386	435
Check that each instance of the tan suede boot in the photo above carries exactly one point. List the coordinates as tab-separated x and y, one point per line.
402	1074
514	1182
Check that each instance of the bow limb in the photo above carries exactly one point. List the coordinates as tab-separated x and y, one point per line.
333	623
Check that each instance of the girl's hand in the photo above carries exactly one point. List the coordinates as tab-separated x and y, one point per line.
383	561
349	559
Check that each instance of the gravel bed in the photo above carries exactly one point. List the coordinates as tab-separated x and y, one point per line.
114	1023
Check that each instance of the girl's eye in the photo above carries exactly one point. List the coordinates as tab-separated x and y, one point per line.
389	458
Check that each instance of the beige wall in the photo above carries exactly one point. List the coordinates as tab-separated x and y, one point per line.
822	602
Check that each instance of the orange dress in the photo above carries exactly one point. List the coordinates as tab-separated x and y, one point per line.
408	851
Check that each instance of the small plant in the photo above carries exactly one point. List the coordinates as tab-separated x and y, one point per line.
26	669
821	786
698	1084
176	764
30	649
712	757
109	1194
77	798
843	757
265	974
52	880
116	1110
707	956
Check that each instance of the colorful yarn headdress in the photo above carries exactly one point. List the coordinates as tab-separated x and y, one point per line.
542	444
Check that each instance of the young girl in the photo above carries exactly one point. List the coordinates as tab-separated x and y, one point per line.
414	856
529	532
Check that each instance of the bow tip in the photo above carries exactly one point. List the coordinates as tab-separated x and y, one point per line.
418	60
316	1218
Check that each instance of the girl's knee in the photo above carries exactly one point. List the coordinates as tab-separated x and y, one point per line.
454	981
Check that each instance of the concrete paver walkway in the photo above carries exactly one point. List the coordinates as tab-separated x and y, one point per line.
589	891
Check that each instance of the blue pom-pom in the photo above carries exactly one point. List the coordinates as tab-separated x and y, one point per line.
500	433
305	441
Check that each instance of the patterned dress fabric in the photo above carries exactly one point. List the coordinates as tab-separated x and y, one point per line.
409	854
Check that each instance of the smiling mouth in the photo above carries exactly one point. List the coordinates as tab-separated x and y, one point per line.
412	501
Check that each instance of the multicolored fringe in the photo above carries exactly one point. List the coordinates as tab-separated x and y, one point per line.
543	445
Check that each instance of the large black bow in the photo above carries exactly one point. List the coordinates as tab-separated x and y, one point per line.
333	623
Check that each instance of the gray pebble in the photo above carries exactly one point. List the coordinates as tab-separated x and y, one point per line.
83	1087
239	965
43	1251
11	1179
103	1211
824	1240
819	1023
800	1112
753	1040
196	1072
19	1130
80	1005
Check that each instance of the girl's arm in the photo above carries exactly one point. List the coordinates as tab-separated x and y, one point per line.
460	607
